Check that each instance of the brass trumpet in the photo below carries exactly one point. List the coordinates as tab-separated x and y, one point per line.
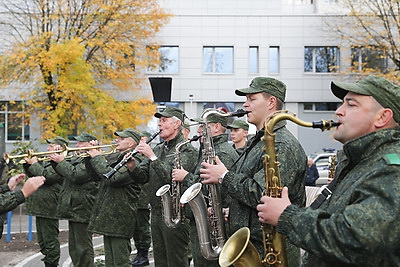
65	151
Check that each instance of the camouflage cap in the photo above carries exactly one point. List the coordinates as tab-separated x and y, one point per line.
239	124
265	84
171	112
129	132
385	93
186	125
85	137
215	118
146	133
58	140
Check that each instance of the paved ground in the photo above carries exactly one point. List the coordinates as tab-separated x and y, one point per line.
27	254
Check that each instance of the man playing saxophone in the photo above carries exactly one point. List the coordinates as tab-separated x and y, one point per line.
170	245
245	182
355	222
227	154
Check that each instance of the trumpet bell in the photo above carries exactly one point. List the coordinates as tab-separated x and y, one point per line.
239	251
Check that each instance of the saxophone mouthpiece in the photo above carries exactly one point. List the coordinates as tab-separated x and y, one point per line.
325	124
239	113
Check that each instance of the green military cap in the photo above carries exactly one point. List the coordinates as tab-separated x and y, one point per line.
146	133
186	125
85	137
171	112
58	140
129	132
265	84
239	124
215	118
385	93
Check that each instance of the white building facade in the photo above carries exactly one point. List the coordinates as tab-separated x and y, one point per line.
217	46
212	47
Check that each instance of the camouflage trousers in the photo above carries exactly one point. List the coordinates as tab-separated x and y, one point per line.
80	245
117	251
170	245
47	235
142	233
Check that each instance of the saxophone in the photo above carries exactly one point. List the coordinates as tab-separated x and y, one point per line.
171	208
238	250
210	224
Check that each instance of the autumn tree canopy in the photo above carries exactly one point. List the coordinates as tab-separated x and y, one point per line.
77	54
372	25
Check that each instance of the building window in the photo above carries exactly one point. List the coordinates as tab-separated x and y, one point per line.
274	59
218	59
321	59
321	106
253	59
169	60
363	58
15	124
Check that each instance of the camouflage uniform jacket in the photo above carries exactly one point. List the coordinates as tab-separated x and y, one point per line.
222	149
240	150
226	154
78	190
246	185
8	201
359	224
48	193
116	201
158	173
143	200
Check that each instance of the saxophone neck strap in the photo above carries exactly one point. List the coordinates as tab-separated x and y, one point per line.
325	194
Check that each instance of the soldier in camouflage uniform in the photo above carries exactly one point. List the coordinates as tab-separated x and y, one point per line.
76	200
141	229
226	153
10	199
170	245
357	223
116	202
239	130
47	224
245	182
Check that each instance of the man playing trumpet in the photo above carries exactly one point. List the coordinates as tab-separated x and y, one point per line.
47	222
76	200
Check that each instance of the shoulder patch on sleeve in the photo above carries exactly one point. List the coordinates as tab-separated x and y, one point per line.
392	159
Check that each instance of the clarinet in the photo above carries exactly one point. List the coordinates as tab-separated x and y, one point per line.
128	156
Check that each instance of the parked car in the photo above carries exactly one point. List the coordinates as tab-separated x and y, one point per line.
322	162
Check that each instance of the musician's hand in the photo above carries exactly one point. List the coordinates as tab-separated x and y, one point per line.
179	174
94	152
31	160
211	173
32	184
270	209
131	164
15	180
56	157
145	149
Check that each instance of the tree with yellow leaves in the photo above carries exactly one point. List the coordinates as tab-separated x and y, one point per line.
371	28
76	56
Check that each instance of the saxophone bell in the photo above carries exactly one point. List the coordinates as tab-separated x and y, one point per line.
171	193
